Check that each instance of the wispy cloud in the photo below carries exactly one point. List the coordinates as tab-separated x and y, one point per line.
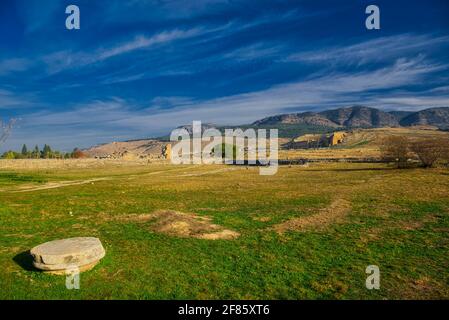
380	49
14	65
11	100
154	65
95	112
165	113
255	51
182	8
141	42
413	102
204	35
62	60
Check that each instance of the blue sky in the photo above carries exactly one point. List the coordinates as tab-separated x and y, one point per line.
140	68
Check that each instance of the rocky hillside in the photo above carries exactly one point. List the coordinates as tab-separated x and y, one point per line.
308	118
290	126
362	117
438	117
399	115
150	148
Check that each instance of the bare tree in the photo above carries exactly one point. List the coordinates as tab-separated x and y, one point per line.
431	150
396	149
6	130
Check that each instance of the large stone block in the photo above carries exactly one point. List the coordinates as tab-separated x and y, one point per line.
64	254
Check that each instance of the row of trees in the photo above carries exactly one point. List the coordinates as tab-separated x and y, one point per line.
429	151
46	153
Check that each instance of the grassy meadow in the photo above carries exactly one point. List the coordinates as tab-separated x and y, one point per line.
304	233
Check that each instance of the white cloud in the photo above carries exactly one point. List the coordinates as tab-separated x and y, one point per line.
412	102
14	65
10	100
115	118
141	42
380	49
165	113
254	51
61	60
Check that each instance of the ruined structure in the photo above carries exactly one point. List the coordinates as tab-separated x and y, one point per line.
309	141
336	138
166	151
60	256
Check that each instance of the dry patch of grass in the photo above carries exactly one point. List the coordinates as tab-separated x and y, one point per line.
56	164
262	219
363	143
371	235
335	213
185	225
424	288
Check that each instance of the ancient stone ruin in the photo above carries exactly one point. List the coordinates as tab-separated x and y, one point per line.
61	256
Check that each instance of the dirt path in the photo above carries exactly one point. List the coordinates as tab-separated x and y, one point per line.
206	172
335	213
58	184
61	184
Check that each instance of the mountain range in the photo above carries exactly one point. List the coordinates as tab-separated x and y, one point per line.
293	125
362	117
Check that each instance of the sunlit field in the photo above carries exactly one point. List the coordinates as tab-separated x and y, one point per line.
226	232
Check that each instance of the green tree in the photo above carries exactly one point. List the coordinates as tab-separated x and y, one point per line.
24	150
46	152
9	155
36	152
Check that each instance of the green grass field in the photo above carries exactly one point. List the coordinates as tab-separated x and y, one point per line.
396	219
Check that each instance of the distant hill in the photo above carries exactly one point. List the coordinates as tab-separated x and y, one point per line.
357	116
399	115
307	118
361	117
147	148
204	126
291	126
438	117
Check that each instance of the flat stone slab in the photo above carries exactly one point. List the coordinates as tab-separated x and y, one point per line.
68	253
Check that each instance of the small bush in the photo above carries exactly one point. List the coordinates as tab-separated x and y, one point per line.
431	150
396	149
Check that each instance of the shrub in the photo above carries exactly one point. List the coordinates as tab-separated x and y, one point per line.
431	150
396	149
78	154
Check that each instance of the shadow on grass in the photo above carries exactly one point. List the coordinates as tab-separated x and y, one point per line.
25	260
